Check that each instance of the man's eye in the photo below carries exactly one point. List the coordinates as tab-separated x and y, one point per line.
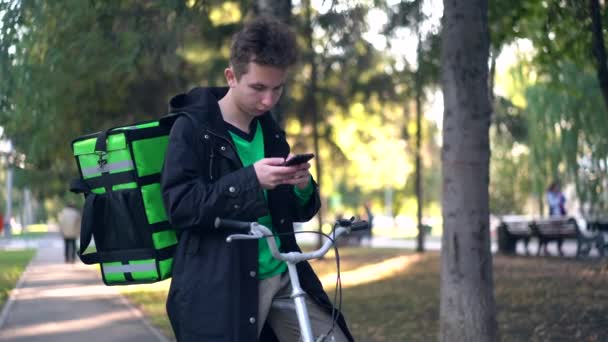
257	88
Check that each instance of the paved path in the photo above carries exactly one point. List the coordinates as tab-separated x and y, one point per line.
55	301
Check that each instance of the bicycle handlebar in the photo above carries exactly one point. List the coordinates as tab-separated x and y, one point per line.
258	231
234	225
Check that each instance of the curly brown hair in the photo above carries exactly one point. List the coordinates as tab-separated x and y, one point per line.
266	41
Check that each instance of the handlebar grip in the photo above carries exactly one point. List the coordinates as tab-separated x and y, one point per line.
359	225
240	226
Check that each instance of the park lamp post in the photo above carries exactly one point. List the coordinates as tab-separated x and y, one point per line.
7	156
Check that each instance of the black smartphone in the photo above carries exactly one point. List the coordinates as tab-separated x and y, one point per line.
298	159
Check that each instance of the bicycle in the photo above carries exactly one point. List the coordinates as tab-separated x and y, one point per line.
255	231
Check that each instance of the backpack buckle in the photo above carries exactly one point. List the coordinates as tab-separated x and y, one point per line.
101	162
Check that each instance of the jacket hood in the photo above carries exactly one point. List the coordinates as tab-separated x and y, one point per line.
197	100
202	103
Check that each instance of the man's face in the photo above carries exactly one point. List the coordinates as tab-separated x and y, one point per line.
259	89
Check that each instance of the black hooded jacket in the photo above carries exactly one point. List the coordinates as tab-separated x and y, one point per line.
214	287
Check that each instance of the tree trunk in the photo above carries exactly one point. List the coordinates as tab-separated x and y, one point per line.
492	78
467	309
599	50
312	105
419	198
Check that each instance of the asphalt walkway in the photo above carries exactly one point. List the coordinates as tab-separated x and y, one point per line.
55	301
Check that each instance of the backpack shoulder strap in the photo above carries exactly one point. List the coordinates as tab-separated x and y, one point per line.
169	119
86	230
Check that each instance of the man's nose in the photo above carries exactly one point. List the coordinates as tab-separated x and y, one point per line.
268	98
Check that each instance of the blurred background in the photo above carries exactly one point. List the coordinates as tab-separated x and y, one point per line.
365	97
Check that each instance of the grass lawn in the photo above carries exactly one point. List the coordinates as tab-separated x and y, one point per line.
31	231
12	264
393	295
29	235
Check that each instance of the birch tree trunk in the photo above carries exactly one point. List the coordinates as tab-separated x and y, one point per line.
418	184
467	310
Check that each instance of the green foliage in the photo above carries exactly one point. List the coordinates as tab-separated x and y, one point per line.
549	25
513	19
509	166
361	96
74	67
569	141
556	41
565	116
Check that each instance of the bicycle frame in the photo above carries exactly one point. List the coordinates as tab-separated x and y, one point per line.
258	231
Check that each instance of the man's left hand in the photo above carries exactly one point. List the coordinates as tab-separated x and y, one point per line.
300	177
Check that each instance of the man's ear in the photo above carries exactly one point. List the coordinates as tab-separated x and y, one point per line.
230	77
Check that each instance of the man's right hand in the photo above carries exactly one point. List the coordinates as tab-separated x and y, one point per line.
271	172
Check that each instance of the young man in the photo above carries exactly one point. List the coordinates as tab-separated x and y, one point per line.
224	159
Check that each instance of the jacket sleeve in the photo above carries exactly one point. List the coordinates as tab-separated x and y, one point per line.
193	202
306	211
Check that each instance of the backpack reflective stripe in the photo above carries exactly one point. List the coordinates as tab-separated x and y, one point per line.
91	171
129	268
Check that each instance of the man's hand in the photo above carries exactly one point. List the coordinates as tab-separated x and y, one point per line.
271	173
302	176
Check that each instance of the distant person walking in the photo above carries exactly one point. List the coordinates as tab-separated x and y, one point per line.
556	200
69	225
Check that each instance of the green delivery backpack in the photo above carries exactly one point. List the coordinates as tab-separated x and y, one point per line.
124	213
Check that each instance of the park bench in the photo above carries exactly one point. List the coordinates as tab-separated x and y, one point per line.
510	231
558	229
553	229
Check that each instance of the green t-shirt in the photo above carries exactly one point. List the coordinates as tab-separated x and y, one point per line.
250	148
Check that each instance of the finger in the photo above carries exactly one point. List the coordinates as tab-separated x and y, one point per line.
304	179
302	174
297	179
293	176
274	161
279	179
286	171
291	181
304	166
